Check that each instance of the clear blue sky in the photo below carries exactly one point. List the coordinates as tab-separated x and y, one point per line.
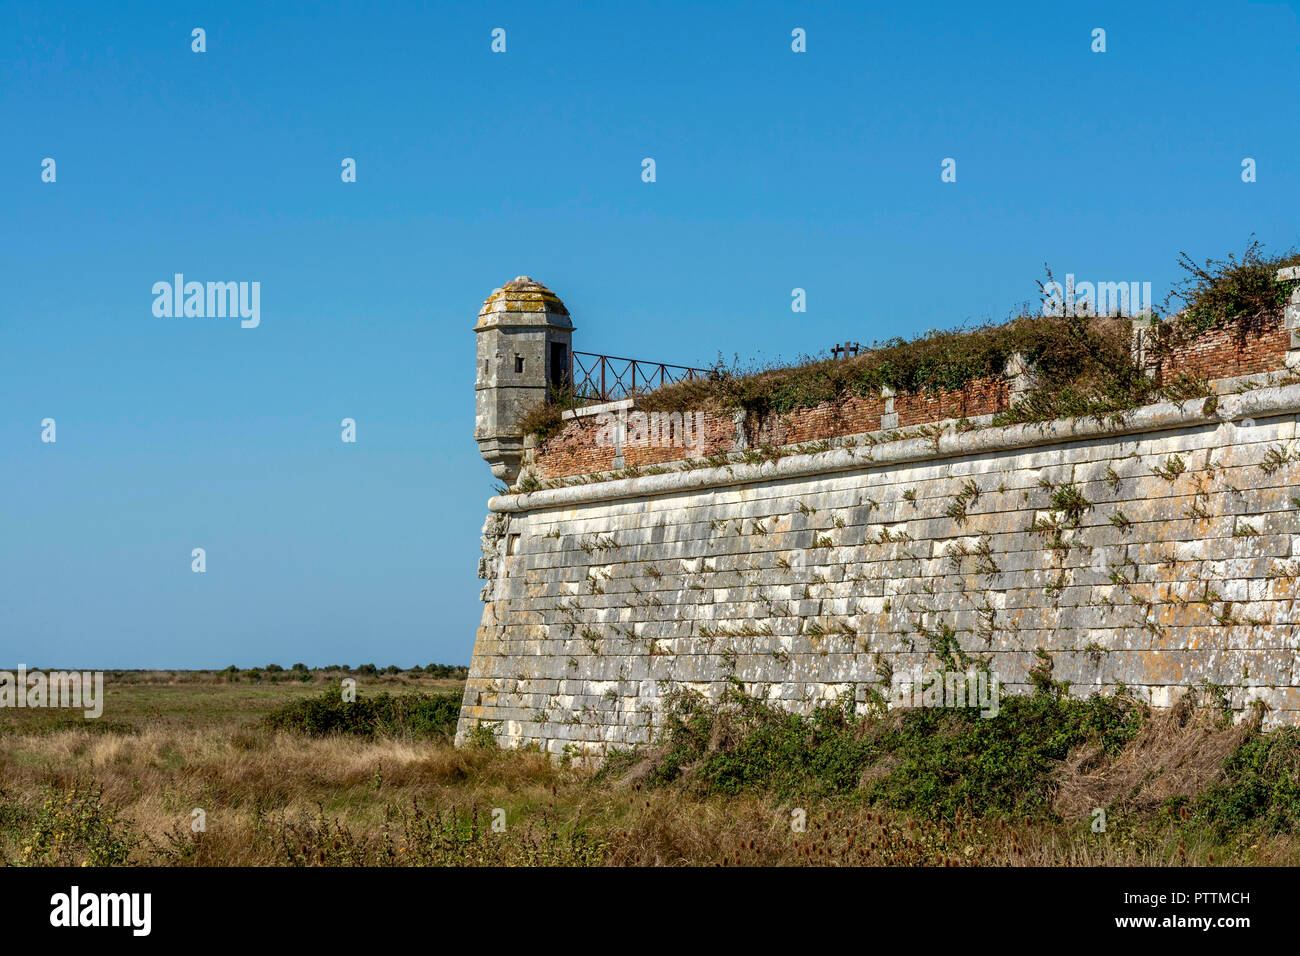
775	170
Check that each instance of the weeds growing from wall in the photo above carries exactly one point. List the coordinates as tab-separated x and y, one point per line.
1222	293
1082	366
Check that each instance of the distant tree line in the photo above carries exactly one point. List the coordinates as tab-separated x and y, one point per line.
446	671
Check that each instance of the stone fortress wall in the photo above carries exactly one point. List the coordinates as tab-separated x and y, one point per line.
1158	550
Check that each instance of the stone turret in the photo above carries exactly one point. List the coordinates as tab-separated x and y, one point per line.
524	340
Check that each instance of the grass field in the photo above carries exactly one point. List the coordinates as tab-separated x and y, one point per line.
278	785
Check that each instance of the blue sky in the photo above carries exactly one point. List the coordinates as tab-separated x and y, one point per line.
775	170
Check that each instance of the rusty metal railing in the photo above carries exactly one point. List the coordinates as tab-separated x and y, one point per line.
606	378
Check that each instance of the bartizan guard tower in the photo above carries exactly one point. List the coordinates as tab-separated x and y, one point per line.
524	341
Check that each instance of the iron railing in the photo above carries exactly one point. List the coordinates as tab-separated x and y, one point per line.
606	378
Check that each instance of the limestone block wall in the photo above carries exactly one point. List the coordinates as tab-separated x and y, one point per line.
1156	551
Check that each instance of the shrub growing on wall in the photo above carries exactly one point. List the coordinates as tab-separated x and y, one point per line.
1082	365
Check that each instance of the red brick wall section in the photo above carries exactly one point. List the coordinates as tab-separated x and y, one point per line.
1227	353
852	416
577	450
1217	354
574	451
979	397
705	435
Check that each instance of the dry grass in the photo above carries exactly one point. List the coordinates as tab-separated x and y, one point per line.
249	781
262	791
282	799
1177	753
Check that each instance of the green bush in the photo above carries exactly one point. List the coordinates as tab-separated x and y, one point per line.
447	671
927	761
544	419
76	828
1260	789
949	759
404	715
1231	290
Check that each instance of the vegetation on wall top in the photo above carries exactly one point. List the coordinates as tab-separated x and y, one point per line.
1076	349
1082	365
1226	292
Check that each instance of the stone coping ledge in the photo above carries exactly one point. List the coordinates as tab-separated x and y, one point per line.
586	411
1164	416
